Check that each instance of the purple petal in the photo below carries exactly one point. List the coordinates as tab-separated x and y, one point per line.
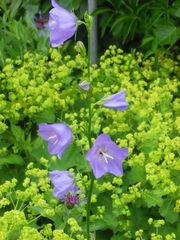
119	154
106	157
63	182
58	135
45	131
116	101
84	85
61	24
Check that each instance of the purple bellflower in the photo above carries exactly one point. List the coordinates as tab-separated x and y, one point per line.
62	24
84	85
106	157
40	23
58	135
63	182
116	101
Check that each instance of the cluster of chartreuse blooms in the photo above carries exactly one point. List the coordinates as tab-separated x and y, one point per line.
104	155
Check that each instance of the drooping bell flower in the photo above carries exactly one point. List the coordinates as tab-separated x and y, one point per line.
63	182
61	25
58	135
106	157
116	101
40	23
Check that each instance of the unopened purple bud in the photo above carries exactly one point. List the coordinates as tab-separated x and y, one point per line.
84	85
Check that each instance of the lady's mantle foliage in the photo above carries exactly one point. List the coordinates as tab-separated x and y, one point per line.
63	182
155	165
58	135
116	101
61	24
106	157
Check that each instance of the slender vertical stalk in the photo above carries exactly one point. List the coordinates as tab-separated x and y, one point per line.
90	142
94	39
89	206
89	92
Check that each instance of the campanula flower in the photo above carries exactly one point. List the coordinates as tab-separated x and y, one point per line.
84	85
58	135
116	101
63	182
106	157
62	24
40	23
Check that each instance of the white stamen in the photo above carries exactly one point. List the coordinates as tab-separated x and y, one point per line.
52	137
106	156
55	141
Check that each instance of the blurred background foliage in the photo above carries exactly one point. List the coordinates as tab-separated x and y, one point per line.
146	25
150	26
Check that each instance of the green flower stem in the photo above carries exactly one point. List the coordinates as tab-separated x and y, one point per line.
90	141
90	90
89	205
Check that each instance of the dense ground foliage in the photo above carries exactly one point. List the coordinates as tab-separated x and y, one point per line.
144	203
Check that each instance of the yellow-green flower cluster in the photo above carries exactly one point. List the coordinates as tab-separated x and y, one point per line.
39	88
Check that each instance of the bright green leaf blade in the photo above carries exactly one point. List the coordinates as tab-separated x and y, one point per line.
167	34
71	158
18	133
101	10
12	159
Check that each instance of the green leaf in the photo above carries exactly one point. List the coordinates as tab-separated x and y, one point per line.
101	10
105	22
109	218
150	142
153	198
165	104
167	34
18	133
175	10
135	175
38	149
119	20
146	40
3	5
70	4
71	158
47	116
14	8
12	159
167	210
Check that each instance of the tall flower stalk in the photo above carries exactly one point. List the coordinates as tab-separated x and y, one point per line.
104	155
88	22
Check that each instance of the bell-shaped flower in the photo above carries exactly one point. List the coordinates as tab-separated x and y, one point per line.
116	101
106	157
63	182
62	24
58	135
